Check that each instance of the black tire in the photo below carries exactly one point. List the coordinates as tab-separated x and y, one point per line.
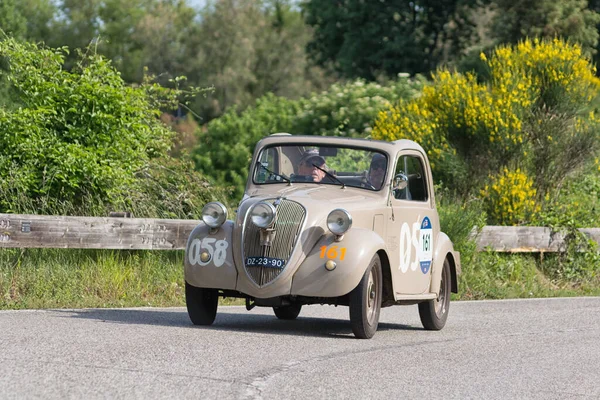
201	304
434	313
287	312
365	301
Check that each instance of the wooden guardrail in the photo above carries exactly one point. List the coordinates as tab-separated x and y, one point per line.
526	239
43	231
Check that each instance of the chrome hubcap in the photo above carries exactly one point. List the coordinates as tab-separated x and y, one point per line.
440	303
371	296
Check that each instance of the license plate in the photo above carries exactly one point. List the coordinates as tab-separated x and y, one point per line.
267	262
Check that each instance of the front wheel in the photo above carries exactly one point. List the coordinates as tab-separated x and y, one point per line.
434	313
365	301
287	312
201	304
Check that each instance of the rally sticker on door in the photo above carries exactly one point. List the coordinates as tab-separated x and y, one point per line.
425	244
419	238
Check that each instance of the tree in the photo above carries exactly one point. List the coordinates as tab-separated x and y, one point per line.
367	39
41	19
12	22
571	19
162	34
80	23
246	49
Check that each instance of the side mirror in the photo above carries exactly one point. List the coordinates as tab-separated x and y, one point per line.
400	182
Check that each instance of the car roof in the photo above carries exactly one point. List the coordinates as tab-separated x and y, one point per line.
388	147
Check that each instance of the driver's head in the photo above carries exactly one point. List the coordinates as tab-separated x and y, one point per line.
308	165
377	170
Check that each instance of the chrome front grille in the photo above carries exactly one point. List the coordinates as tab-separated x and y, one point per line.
290	217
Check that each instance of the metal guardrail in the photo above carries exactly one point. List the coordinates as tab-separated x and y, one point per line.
44	231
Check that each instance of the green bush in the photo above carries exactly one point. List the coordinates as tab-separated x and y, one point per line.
76	134
575	204
169	188
83	142
532	121
225	148
460	220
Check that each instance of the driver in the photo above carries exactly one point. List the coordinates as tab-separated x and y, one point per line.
377	170
308	165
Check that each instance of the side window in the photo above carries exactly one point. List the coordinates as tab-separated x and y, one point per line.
268	161
411	168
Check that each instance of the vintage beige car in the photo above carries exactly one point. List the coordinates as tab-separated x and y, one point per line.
327	220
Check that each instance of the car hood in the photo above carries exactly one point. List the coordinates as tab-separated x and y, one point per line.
322	198
318	201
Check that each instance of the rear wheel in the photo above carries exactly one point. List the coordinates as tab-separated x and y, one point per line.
201	304
434	313
287	312
365	301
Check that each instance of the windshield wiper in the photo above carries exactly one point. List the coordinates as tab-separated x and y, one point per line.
331	176
285	178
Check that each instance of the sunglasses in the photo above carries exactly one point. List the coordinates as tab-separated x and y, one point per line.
311	163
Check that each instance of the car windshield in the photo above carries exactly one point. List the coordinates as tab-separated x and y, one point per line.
334	165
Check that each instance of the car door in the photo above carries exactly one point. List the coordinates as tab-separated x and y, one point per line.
410	229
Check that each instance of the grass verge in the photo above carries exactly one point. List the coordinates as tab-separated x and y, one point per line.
491	275
59	278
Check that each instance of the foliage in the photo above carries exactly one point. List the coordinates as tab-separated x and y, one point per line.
246	49
510	197
460	220
517	19
368	39
12	21
225	149
576	204
83	142
169	188
348	109
41	17
76	133
532	114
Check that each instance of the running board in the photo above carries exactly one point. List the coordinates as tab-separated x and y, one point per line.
424	296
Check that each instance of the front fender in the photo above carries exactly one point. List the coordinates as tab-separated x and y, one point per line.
358	247
443	247
219	272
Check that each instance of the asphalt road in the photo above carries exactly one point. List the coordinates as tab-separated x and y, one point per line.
538	349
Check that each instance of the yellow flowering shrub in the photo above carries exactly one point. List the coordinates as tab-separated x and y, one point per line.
557	70
510	197
453	112
528	113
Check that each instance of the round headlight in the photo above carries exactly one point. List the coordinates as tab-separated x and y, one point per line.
262	214
214	214
339	221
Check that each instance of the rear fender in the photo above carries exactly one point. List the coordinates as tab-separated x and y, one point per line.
219	272
444	249
352	255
